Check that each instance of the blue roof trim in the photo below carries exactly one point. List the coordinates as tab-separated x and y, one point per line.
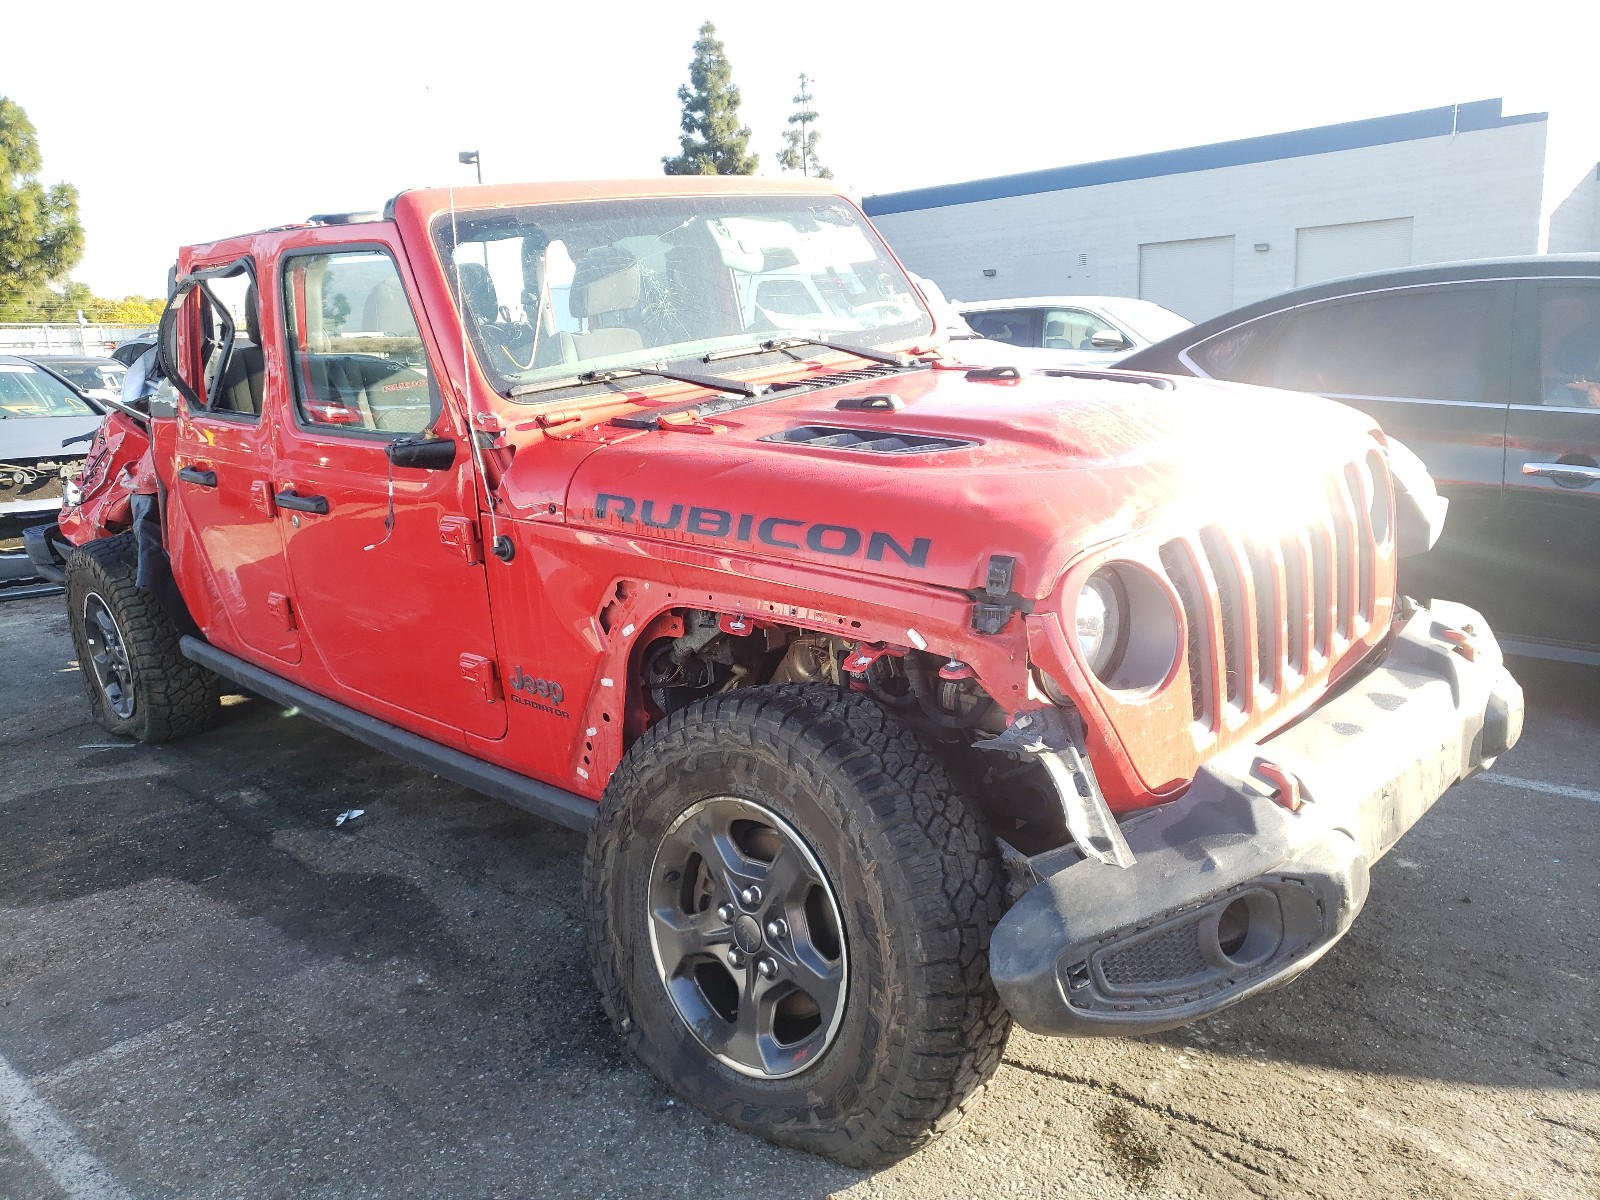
1352	135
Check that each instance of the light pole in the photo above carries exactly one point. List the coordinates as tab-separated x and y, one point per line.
470	158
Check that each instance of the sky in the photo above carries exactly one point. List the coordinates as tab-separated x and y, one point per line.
182	122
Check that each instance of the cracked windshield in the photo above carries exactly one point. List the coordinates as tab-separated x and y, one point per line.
554	291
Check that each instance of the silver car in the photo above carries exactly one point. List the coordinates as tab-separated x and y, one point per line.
1086	331
38	412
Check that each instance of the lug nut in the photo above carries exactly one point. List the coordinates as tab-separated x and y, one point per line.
750	897
736	957
725	912
777	928
768	968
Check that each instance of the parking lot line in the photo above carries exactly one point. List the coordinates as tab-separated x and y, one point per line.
1552	789
36	1124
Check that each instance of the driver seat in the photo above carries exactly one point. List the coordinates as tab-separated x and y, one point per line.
605	284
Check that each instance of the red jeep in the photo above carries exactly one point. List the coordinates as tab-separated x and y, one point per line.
900	699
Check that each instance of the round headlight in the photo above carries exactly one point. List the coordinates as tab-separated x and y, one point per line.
1100	620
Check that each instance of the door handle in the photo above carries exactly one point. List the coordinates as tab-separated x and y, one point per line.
1558	471
310	504
197	476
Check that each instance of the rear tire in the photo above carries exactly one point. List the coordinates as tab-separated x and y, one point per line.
798	848
139	683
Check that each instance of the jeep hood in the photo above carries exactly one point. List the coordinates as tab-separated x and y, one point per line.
1040	468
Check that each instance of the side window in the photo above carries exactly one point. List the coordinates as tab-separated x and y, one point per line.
355	352
1014	327
1233	354
1569	347
222	338
1421	343
1073	329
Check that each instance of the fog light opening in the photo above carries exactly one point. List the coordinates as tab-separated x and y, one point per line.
1233	927
1248	931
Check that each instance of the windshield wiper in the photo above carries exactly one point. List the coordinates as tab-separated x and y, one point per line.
789	343
714	382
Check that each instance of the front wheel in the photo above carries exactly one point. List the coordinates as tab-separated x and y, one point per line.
790	906
139	683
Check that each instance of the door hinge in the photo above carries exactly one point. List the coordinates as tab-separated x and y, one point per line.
461	533
280	607
478	670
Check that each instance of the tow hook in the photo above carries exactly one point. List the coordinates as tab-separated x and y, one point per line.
1461	641
1286	784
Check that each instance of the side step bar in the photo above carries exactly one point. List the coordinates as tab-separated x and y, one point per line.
540	799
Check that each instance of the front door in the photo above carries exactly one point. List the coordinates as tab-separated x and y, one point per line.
388	569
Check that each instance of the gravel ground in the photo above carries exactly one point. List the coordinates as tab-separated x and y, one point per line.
207	988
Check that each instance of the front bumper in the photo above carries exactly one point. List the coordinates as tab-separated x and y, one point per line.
1231	893
43	556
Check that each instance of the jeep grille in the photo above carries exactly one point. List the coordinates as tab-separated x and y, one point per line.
1268	616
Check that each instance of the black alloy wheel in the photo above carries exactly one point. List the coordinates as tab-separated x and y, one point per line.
747	937
108	657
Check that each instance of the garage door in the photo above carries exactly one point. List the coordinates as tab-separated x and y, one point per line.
1193	278
1333	251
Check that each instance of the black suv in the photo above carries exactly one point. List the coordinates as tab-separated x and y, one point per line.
1490	372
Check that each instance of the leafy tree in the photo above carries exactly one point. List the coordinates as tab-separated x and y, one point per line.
713	141
62	305
40	237
799	151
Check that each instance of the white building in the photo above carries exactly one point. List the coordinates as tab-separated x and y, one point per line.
1204	229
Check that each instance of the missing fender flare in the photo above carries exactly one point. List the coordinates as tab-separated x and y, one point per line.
154	573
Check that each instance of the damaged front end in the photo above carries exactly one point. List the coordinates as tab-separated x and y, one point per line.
1261	866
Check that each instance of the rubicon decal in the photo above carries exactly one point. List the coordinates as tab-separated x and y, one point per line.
785	533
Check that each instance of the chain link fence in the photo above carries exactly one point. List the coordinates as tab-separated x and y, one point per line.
66	337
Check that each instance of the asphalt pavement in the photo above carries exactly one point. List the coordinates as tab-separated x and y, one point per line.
211	987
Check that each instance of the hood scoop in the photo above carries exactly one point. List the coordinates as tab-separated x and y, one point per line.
867	441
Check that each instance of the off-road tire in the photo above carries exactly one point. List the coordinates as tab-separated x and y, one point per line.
918	883
171	696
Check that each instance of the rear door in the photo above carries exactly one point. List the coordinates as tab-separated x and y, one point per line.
1552	468
387	563
224	543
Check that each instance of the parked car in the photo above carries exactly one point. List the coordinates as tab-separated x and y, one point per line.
1487	370
38	411
129	352
87	373
1082	331
964	345
899	700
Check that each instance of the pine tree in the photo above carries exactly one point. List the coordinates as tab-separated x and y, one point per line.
40	237
800	139
713	141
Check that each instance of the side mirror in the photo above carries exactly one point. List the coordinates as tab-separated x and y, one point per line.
423	454
1110	339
